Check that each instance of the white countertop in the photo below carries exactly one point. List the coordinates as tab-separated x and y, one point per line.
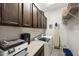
34	47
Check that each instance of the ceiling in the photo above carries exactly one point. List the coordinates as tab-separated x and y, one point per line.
43	5
50	6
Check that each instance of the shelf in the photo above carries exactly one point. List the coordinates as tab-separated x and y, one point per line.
70	10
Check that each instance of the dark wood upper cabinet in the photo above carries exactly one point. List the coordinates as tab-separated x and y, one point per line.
35	19
11	14
22	14
27	14
0	13
42	20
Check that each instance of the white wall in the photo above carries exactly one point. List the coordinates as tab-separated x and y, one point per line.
55	16
69	33
73	34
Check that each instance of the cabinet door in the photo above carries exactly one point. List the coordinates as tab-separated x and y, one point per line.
34	16
44	22
45	25
27	14
40	52
0	13
10	14
39	19
42	13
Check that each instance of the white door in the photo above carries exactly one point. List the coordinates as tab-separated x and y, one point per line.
56	38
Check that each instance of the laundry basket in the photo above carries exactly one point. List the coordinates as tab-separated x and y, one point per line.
67	52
